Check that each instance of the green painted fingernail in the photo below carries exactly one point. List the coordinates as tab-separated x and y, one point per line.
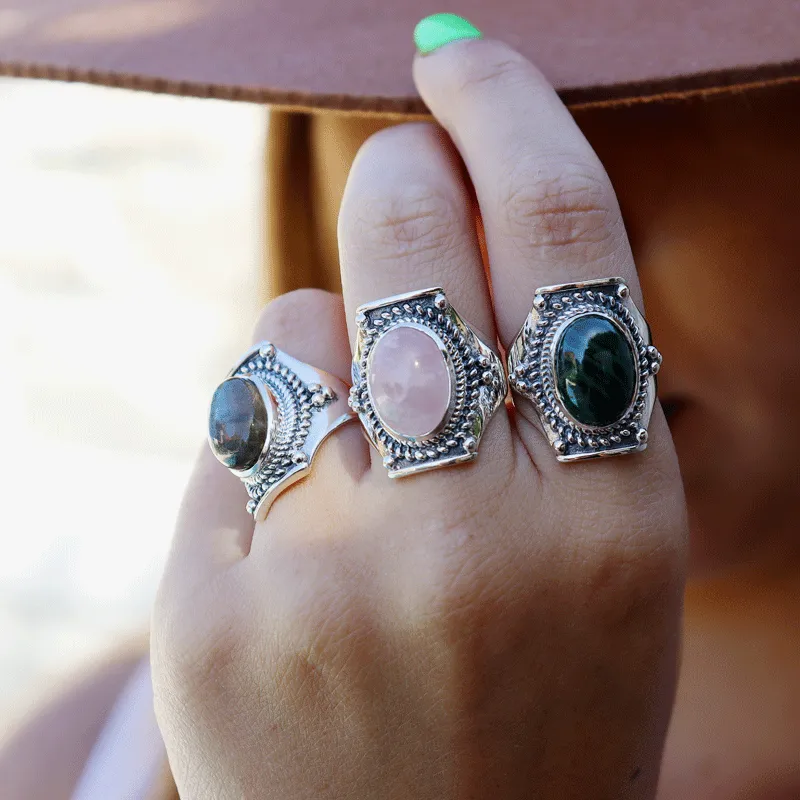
440	29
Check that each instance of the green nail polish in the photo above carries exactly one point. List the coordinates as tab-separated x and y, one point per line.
440	29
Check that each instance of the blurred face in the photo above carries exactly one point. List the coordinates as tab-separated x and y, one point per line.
709	191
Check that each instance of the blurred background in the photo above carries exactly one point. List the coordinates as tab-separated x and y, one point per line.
119	214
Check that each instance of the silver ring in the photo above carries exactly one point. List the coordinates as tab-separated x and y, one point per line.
584	359
424	384
269	417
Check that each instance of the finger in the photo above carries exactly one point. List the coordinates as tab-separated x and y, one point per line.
214	530
406	224
549	211
310	325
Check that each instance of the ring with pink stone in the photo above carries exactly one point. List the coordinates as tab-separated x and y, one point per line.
424	384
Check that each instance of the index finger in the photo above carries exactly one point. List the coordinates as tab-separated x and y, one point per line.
550	217
549	211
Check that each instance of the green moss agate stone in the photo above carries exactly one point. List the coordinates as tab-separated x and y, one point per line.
595	370
238	423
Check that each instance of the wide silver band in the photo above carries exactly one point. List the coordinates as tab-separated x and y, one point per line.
477	382
304	406
533	367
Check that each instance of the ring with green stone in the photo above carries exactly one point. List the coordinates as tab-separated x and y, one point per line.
585	361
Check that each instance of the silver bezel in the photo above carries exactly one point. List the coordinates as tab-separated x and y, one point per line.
478	383
531	367
272	422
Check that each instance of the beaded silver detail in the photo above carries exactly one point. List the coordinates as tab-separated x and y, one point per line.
478	384
309	404
531	367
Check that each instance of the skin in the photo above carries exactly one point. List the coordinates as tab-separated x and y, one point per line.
687	175
378	639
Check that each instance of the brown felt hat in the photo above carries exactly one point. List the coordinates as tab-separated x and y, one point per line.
354	54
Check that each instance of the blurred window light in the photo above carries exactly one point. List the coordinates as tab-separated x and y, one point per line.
129	259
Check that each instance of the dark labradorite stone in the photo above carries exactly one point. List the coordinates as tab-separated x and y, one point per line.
238	423
595	370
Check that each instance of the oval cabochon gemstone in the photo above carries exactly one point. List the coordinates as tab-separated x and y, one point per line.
595	370
409	381
238	423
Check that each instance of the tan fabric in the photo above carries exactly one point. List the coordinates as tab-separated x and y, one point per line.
308	158
45	756
655	177
354	54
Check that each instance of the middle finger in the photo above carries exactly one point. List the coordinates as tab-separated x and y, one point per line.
407	224
549	210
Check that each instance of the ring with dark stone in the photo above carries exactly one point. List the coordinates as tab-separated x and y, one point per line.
269	417
585	361
242	414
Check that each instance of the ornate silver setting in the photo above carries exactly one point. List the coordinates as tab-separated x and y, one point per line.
531	367
477	382
304	406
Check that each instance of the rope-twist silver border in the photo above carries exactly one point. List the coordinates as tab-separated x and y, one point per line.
534	376
295	402
474	400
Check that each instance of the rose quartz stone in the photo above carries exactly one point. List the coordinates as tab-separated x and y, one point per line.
409	381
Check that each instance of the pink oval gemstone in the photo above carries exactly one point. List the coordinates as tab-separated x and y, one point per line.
409	381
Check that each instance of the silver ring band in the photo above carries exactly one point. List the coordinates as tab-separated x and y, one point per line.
269	417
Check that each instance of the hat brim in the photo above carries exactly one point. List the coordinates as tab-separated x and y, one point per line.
355	54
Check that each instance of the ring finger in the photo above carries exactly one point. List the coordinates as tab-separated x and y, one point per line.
213	530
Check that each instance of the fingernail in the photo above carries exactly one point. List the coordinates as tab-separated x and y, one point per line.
440	29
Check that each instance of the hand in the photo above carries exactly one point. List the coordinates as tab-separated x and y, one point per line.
503	629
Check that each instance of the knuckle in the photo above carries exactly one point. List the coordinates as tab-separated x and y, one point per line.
466	580
288	313
195	653
563	205
331	640
620	582
631	579
411	220
628	545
